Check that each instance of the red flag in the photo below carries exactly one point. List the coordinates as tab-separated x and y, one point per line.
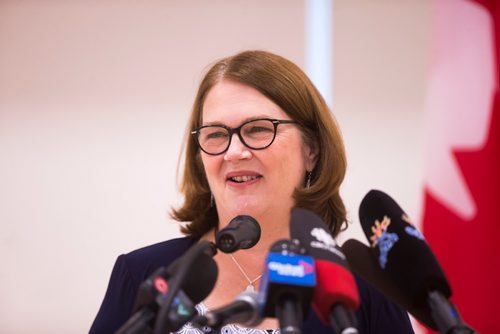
462	187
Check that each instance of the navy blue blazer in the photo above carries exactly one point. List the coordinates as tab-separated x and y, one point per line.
376	315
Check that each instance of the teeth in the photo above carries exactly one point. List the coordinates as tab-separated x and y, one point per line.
244	178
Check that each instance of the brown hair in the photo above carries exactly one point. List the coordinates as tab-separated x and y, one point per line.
288	86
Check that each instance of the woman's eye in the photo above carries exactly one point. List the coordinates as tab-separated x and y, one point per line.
217	135
258	129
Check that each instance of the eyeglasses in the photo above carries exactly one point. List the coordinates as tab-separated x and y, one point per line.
256	134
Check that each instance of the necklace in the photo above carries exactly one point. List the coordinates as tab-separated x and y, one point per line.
250	286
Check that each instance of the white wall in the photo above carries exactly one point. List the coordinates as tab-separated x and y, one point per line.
380	72
94	97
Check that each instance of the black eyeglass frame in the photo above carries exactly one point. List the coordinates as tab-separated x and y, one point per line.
237	130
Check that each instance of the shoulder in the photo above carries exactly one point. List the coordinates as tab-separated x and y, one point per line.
163	248
144	261
129	271
161	253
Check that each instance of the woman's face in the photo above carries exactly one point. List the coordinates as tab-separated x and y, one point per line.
253	182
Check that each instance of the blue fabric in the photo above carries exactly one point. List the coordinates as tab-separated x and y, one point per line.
377	315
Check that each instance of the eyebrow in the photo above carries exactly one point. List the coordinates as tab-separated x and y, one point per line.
244	120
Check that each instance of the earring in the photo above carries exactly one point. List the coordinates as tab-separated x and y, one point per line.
308	179
212	200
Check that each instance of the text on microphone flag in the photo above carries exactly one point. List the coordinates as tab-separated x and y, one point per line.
297	269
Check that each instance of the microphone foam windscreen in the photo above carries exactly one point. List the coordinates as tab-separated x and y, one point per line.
313	234
400	249
200	278
334	281
364	263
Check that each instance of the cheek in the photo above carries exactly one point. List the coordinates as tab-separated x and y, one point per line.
288	177
290	170
209	165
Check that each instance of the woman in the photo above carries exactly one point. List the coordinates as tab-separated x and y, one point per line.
262	142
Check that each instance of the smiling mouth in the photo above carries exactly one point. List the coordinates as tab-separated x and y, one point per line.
242	179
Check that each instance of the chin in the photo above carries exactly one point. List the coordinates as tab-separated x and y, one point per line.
248	205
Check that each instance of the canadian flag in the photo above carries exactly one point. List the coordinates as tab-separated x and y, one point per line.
462	184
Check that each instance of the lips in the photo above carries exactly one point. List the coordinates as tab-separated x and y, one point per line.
242	177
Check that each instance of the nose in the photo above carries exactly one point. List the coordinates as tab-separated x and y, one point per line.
237	150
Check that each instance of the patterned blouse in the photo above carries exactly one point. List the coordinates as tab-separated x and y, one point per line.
227	329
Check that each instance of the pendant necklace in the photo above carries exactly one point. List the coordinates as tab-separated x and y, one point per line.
250	286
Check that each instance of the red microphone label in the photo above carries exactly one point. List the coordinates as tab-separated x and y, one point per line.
161	284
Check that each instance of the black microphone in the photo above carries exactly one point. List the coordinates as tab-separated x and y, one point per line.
155	290
363	262
336	295
242	232
287	285
190	268
404	256
244	310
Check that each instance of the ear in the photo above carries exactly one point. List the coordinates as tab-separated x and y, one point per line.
311	154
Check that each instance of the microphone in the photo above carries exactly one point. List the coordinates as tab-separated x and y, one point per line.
172	314
364	263
244	310
287	285
242	232
156	289
401	254
336	295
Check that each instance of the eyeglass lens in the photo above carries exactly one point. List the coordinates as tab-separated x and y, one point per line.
255	134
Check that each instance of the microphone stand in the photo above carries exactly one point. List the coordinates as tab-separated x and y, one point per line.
138	323
342	321
446	315
289	314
